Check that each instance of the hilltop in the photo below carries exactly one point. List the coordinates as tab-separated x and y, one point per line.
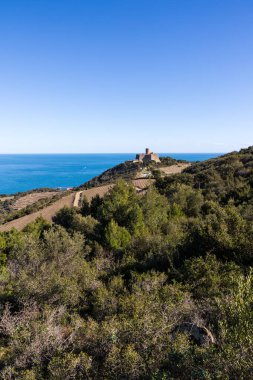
228	178
130	170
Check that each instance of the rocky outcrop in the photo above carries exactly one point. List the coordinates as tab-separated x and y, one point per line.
199	335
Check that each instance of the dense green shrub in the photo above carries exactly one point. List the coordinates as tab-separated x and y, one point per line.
103	293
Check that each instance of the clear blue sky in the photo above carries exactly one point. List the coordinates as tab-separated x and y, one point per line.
119	75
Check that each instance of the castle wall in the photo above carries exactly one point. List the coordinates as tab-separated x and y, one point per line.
148	157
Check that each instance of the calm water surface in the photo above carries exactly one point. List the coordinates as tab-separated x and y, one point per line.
21	172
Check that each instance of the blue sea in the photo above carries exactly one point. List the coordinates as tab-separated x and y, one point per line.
22	172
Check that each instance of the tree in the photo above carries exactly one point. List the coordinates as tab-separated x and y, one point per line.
96	206
85	208
136	222
236	329
117	237
118	203
65	217
37	227
155	209
52	270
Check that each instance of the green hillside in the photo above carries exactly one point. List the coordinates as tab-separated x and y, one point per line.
225	178
127	171
157	286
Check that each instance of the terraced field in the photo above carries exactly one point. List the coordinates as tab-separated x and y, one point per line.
101	191
72	199
174	169
29	199
142	184
47	213
6	198
91	193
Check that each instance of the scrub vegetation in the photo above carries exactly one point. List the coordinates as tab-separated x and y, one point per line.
157	286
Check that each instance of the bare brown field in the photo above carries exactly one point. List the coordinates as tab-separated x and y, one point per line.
29	199
174	169
2	199
101	191
47	213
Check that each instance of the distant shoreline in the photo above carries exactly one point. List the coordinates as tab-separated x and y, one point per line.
24	172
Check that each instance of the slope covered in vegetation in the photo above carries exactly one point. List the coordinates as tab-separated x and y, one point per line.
128	170
157	286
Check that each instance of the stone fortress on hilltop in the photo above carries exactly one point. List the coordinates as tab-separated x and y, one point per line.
147	157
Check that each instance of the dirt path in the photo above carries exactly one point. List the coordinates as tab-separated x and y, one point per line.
77	198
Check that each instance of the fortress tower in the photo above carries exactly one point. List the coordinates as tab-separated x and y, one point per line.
148	156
